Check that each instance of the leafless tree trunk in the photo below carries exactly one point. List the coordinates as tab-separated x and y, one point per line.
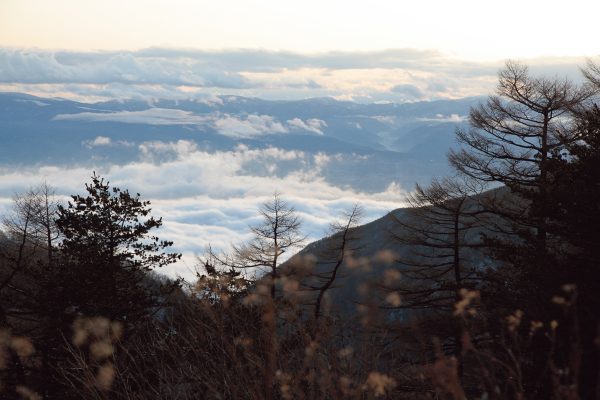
441	224
29	228
278	233
344	231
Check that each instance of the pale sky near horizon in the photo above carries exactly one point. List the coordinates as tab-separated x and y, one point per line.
466	29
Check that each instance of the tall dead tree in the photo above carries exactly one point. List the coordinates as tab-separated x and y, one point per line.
332	262
513	134
440	234
27	250
437	232
277	233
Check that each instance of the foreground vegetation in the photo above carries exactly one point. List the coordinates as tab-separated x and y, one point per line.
497	298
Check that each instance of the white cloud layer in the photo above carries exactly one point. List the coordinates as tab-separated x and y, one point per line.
210	197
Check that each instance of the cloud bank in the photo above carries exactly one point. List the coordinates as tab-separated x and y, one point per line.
210	198
388	75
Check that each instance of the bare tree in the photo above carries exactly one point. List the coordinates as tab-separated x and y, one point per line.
513	139
30	235
592	73
342	232
441	233
32	218
442	224
513	134
277	233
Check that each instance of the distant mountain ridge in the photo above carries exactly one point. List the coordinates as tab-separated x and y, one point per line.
367	243
404	142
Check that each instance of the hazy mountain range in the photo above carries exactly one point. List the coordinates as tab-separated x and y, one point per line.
208	163
403	142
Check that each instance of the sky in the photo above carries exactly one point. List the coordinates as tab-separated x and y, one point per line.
467	29
376	51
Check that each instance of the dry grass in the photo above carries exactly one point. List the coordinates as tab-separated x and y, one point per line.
215	342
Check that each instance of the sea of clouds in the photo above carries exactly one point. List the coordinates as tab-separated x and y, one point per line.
211	198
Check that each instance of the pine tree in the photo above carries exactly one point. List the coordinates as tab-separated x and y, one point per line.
107	250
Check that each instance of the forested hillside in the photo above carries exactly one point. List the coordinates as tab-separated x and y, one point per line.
485	287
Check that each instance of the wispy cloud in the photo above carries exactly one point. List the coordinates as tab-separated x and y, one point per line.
314	125
151	116
250	126
99	141
446	118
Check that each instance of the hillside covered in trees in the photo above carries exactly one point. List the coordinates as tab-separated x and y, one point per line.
486	286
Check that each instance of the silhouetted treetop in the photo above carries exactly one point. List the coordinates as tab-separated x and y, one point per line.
112	225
